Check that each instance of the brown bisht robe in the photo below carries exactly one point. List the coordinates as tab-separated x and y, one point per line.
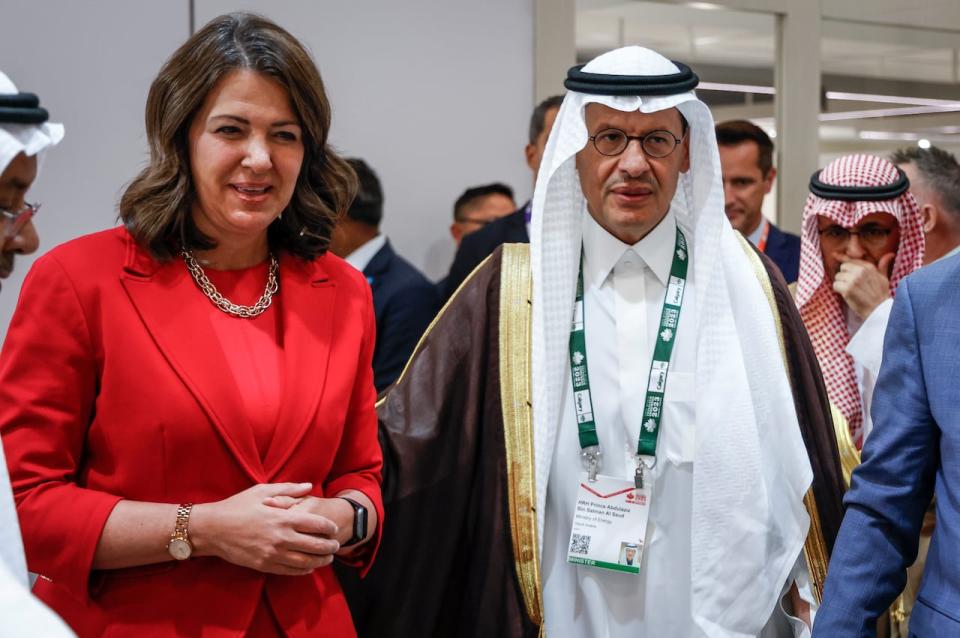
459	554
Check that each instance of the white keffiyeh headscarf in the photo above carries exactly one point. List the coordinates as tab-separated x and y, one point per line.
29	139
751	469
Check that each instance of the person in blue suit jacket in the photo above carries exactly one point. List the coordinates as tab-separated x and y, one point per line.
404	301
912	454
746	159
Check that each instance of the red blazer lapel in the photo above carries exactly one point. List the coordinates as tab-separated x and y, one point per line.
308	301
165	298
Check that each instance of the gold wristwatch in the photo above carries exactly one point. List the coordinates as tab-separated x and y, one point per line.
179	545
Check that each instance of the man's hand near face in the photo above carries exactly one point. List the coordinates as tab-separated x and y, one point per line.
862	285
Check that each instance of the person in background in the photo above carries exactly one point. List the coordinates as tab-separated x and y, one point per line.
515	227
861	236
404	301
746	156
187	400
935	183
479	206
25	133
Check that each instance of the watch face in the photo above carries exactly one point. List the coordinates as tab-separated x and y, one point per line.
180	549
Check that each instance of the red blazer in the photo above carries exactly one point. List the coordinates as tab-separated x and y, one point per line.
111	386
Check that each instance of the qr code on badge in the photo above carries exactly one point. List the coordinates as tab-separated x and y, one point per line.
580	544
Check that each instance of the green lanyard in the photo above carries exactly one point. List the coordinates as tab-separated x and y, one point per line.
656	383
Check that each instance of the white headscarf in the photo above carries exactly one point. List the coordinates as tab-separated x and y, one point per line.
29	139
751	469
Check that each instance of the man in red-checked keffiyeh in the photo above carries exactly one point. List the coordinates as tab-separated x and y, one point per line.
861	234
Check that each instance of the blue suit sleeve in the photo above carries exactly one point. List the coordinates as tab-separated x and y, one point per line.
471	252
404	320
890	490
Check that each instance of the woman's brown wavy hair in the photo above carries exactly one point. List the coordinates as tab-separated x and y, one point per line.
156	206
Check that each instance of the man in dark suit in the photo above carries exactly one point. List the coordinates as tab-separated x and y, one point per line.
479	206
511	229
404	301
746	158
910	456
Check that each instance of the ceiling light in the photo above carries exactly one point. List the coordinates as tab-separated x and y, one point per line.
834	133
935	105
888	99
897	136
736	88
923	143
705	6
888	136
906	110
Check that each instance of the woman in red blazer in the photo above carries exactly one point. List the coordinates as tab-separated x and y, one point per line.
187	402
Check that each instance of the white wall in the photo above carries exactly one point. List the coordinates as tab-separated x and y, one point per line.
91	64
434	94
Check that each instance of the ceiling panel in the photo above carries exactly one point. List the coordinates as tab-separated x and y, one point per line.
874	47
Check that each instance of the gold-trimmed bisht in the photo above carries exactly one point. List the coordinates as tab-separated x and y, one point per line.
815	547
515	399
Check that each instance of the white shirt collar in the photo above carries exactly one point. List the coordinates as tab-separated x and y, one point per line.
754	237
361	257
602	250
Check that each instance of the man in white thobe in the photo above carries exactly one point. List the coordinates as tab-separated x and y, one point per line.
856	245
722	547
603	433
24	133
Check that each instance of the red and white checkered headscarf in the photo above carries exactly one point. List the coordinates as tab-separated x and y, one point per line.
821	309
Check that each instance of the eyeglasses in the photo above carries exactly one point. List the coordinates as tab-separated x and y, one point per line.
13	221
656	144
870	235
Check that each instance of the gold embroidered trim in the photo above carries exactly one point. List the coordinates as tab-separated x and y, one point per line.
815	547
515	393
849	454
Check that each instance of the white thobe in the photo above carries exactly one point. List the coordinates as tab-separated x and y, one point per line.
866	348
20	613
624	288
11	548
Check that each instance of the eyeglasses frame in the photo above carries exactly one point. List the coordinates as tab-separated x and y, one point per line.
850	232
640	138
14	221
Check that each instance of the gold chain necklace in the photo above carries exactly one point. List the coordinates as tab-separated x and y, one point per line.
224	304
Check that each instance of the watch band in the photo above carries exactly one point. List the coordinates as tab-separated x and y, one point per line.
179	546
359	522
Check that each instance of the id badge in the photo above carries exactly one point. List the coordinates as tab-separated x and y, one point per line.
609	524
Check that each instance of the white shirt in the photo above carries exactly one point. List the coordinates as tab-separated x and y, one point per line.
360	257
866	348
624	288
757	233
